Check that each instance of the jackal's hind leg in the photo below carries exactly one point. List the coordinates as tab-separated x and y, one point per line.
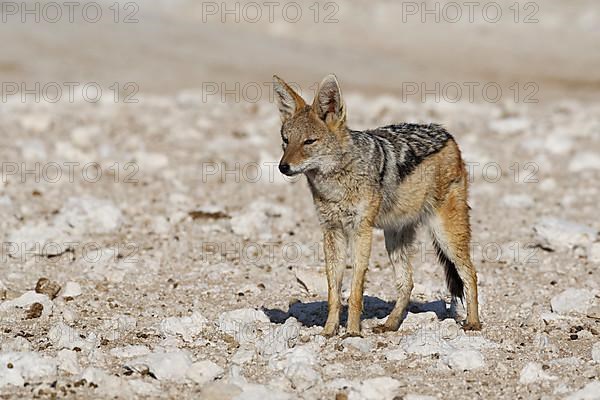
451	236
397	243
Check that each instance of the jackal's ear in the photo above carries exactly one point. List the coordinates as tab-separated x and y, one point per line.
287	99
328	103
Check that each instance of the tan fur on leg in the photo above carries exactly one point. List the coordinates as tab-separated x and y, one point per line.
335	260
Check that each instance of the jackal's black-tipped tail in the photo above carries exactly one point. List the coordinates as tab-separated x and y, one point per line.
455	284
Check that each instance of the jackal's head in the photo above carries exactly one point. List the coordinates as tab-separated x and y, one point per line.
314	135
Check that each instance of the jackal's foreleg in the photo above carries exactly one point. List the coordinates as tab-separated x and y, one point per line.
334	244
361	252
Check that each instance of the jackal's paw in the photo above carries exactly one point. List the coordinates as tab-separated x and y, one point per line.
382	329
352	334
471	326
329	331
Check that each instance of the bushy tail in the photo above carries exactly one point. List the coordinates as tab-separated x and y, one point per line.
455	284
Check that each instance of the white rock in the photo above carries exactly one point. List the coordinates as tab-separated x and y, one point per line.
63	336
149	162
533	372
434	340
566	361
261	219
380	388
396	355
464	360
243	355
171	366
5	201
36	123
591	391
358	343
412	396
187	327
298	365
280	339
83	136
548	184
305	354
110	385
25	301
25	366
562	388
594	252
251	391
71	289
67	152
78	217
143	388
182	201
425	342
18	344
130	351
583	161
509	126
204	371
596	352
176	217
558	144
89	215
314	281
67	361
572	301
302	376
517	201
118	326
420	320
219	391
558	234
37	238
542	341
160	225
241	324
33	150
10	376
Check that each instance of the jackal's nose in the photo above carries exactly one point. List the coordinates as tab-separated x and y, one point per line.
284	168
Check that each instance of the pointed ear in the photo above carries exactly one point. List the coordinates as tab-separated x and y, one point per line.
288	101
328	103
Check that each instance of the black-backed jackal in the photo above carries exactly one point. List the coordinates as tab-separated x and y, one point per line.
395	178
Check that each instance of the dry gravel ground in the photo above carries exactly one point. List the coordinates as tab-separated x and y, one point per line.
181	273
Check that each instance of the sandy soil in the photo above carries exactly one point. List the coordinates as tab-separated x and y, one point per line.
192	229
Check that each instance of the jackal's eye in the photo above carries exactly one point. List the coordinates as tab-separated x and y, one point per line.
309	141
285	140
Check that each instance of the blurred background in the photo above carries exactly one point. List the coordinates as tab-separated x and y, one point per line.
165	46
